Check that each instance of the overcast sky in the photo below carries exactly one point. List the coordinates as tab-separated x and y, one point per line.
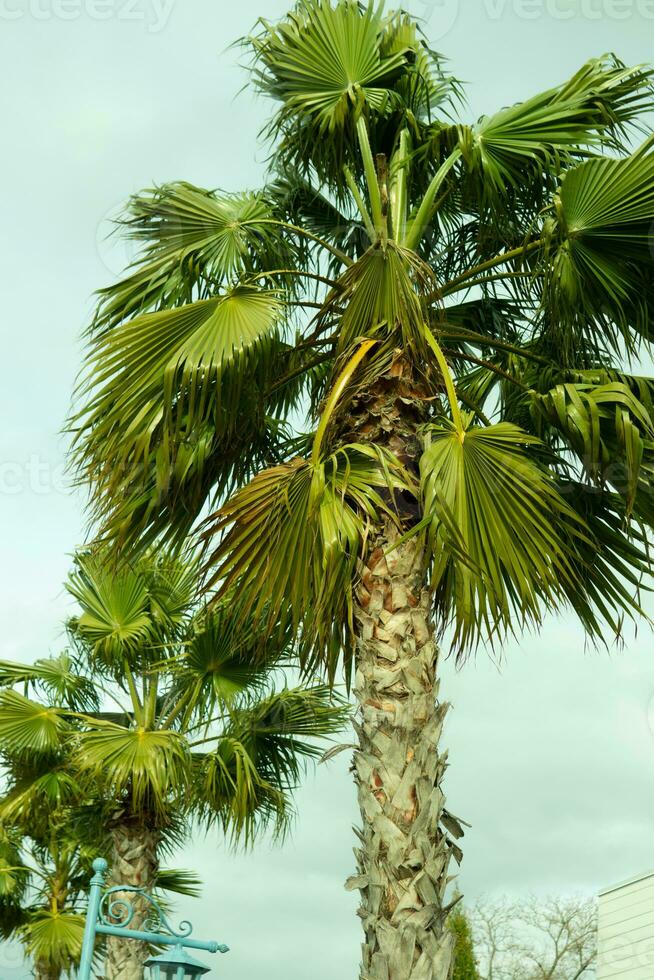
552	756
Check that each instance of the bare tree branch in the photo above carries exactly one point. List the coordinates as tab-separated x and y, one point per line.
538	939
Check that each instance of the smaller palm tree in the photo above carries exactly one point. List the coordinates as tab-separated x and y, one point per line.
197	733
45	852
42	888
52	825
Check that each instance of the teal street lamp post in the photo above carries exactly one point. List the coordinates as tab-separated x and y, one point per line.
110	914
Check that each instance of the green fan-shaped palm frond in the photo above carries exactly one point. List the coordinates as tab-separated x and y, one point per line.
601	260
519	145
170	391
147	765
54	937
324	63
28	727
328	65
194	242
40	796
115	617
225	658
61	677
501	537
289	541
176	360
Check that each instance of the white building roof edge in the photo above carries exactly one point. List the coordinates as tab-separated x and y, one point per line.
629	881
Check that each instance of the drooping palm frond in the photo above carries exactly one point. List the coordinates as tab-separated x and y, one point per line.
615	569
60	677
501	538
279	729
179	881
289	542
257	762
608	427
177	359
235	795
169	390
162	500
194	244
520	149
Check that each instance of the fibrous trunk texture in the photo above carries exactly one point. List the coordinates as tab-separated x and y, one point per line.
134	862
43	971
406	834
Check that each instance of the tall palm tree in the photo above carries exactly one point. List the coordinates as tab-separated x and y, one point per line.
191	728
452	304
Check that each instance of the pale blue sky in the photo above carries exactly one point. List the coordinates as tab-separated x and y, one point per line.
553	756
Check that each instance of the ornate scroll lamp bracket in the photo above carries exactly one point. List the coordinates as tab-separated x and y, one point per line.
111	913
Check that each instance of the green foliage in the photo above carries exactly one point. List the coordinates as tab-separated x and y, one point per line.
327	61
503	267
54	938
451	305
317	513
196	693
29	727
201	736
520	147
52	826
597	278
465	966
192	241
501	536
45	854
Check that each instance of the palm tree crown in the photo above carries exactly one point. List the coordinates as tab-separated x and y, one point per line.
507	261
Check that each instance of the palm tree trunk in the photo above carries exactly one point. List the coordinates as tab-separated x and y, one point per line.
406	834
135	863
